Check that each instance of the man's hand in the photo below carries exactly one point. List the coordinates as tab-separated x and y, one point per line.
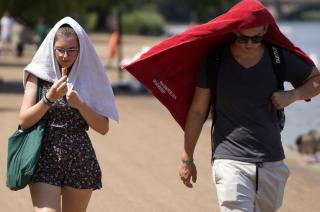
282	99
188	171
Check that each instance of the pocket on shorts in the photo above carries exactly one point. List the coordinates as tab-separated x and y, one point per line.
225	182
215	172
283	176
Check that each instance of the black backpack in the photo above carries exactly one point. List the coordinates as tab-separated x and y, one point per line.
213	61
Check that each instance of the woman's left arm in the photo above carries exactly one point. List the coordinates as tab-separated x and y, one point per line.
97	122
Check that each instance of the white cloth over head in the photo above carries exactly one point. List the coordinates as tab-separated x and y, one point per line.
87	76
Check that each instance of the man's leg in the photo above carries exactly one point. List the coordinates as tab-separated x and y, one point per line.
272	179
235	184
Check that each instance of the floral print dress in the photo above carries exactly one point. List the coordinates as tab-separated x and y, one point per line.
67	156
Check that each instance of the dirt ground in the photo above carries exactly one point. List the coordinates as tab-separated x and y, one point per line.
140	156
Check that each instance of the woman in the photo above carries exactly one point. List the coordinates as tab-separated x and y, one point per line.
72	102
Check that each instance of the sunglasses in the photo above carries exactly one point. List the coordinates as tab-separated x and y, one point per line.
70	52
245	38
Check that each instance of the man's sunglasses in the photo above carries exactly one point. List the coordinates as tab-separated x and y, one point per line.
245	39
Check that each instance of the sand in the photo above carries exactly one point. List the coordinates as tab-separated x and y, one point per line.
140	156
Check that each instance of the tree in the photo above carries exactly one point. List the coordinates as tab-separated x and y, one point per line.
207	9
173	10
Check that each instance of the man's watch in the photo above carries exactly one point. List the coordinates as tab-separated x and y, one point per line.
187	162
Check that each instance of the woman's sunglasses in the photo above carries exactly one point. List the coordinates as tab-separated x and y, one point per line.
70	52
245	38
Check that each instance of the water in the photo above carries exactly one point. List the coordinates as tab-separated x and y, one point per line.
304	35
302	116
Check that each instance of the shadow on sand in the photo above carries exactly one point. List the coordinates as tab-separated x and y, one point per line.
14	65
13	87
8	109
129	88
16	87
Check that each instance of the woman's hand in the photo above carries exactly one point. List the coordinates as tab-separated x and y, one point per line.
74	99
58	89
97	122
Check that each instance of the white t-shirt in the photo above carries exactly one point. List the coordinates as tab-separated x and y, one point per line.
6	28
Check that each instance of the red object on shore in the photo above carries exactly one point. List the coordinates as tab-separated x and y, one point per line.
169	69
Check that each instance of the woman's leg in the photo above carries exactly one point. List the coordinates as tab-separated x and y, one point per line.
75	199
45	197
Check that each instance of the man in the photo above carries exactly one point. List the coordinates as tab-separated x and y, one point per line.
247	151
248	169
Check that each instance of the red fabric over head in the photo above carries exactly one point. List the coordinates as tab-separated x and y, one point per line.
169	69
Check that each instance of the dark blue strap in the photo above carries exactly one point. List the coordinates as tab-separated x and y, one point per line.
39	89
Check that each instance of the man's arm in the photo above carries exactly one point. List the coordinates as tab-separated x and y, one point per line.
309	89
195	119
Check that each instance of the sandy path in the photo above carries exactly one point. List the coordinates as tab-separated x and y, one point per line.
140	156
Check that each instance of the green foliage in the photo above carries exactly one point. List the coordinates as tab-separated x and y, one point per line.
206	10
173	10
310	15
31	10
144	22
91	22
87	21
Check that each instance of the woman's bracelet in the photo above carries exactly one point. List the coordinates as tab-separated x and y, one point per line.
46	101
187	162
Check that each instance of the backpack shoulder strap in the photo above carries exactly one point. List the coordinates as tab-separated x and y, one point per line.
213	66
278	64
279	69
213	62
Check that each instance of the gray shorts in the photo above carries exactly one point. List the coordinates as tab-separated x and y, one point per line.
239	188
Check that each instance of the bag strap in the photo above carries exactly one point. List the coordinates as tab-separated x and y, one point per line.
39	89
213	66
213	62
39	92
279	69
278	64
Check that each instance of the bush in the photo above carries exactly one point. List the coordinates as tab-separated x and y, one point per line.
87	21
91	21
143	23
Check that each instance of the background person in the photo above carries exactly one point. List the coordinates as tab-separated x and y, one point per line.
41	30
6	23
